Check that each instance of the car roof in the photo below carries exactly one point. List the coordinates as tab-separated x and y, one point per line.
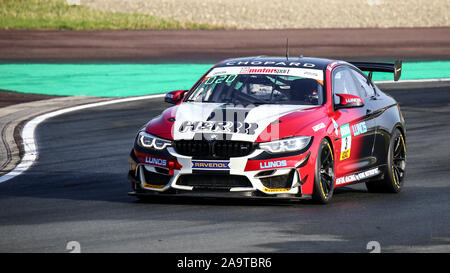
294	62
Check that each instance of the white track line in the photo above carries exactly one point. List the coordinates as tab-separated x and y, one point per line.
30	147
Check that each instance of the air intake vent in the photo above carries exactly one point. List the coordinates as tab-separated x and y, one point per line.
220	149
155	178
279	181
214	181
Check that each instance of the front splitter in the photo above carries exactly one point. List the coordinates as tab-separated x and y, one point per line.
221	195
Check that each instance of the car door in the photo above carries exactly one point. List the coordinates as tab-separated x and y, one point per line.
354	141
373	106
378	112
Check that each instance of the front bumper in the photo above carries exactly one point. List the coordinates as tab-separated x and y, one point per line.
220	195
255	175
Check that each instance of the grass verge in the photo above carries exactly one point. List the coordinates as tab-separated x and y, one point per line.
59	15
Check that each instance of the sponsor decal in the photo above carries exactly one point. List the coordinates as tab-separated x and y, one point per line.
346	142
345	130
272	164
220	165
275	190
237	127
219	79
318	127
156	161
345	154
357	177
263	70
332	65
336	127
296	64
359	128
353	100
219	73
311	74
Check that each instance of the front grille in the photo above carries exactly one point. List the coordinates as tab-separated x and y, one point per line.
278	182
156	179
222	149
214	181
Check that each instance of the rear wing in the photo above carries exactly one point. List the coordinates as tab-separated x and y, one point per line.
395	68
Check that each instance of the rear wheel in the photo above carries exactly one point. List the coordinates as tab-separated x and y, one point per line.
395	169
324	175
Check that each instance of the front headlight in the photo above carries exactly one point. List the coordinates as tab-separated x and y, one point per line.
147	140
286	145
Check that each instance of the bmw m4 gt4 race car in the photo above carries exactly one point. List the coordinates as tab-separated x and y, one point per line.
274	127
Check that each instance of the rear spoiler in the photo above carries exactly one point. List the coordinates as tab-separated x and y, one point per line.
395	68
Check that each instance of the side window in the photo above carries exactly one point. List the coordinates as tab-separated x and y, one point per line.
344	83
366	89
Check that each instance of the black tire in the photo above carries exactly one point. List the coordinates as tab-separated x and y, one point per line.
324	179
395	171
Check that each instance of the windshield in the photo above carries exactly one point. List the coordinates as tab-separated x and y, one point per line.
263	85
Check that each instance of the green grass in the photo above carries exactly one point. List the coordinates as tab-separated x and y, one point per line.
57	14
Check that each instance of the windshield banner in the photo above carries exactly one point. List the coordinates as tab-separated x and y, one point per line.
296	72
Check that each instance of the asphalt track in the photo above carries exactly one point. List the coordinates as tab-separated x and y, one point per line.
77	191
150	46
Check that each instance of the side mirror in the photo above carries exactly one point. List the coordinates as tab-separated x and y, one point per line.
175	97
349	101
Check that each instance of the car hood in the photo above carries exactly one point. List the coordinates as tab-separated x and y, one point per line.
221	121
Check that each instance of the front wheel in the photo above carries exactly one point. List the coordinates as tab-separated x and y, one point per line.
395	168
324	179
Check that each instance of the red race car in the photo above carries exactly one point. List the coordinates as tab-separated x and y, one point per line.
274	127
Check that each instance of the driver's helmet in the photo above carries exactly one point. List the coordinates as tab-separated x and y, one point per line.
306	90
